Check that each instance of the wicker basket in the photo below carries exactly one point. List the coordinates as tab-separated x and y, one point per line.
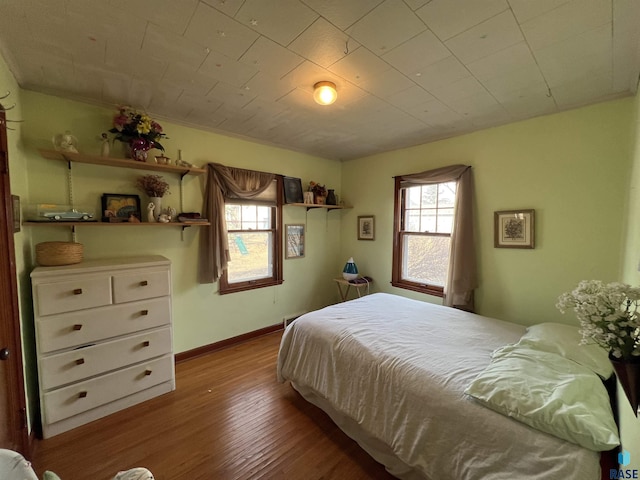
58	253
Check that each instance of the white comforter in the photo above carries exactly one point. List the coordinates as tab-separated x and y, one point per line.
398	368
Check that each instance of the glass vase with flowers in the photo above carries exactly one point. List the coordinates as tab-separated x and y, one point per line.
138	131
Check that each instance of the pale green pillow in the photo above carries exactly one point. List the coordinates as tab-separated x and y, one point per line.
565	341
549	393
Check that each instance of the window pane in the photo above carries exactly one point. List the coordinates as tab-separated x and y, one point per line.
429	196
248	217
446	194
250	256
264	218
445	220
232	215
413	197
412	221
428	221
426	259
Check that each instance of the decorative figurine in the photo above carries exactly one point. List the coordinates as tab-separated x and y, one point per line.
65	142
151	218
105	148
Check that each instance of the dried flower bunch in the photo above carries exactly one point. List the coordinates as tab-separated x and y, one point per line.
317	189
608	315
153	185
130	125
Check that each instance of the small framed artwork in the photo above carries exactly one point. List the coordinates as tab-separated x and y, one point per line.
514	229
119	207
295	241
366	227
15	205
292	190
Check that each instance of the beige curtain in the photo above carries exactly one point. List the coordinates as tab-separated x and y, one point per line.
224	183
462	277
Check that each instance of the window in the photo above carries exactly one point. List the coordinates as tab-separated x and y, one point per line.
253	228
424	219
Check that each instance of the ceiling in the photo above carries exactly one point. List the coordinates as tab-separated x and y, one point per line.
407	71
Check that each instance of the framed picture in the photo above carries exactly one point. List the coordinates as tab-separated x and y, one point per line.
292	190
295	241
118	207
15	205
366	227
514	229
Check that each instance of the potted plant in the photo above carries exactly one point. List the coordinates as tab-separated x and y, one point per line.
319	192
608	315
156	188
138	130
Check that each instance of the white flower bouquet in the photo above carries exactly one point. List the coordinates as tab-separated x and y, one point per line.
608	315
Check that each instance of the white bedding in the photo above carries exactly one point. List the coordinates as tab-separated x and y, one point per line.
396	369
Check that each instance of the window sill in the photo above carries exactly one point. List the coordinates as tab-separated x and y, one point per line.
416	287
248	286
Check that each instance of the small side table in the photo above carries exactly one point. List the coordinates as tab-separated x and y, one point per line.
344	293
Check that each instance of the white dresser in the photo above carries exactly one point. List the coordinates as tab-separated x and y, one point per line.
103	338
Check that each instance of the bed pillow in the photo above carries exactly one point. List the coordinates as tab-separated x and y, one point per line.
565	341
549	393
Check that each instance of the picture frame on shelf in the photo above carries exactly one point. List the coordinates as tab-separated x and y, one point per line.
119	207
366	227
514	229
292	190
294	238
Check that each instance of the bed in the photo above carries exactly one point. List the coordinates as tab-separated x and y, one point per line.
397	375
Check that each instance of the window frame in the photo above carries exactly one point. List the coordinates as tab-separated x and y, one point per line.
276	220
398	242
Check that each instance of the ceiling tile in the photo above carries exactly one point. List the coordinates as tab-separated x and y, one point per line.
407	99
170	47
515	57
580	91
526	9
342	13
170	15
216	31
271	58
505	83
447	18
387	83
226	69
528	102
416	4
322	43
387	26
441	73
457	90
228	7
124	58
489	37
185	78
568	20
359	66
268	88
417	52
282	24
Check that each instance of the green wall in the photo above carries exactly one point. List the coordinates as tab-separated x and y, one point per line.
201	316
571	167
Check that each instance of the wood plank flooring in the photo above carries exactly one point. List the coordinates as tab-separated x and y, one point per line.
228	419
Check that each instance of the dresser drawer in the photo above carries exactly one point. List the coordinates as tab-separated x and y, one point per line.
142	284
80	397
64	368
81	293
74	329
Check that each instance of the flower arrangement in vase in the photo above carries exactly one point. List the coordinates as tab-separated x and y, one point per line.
608	315
155	188
138	130
319	192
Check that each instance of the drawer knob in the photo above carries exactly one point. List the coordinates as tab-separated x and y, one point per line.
80	361
144	283
148	372
82	394
77	291
77	326
144	312
146	343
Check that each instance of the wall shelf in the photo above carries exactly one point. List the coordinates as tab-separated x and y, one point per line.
115	224
309	206
118	162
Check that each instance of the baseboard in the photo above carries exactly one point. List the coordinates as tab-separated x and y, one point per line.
212	347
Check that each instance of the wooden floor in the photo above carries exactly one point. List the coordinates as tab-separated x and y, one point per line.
227	419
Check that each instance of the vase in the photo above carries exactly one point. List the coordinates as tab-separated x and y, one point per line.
320	199
628	373
331	197
308	197
157	208
138	148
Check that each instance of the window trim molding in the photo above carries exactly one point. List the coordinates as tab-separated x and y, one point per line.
225	288
396	267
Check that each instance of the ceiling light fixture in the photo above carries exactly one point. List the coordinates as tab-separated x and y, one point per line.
324	93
